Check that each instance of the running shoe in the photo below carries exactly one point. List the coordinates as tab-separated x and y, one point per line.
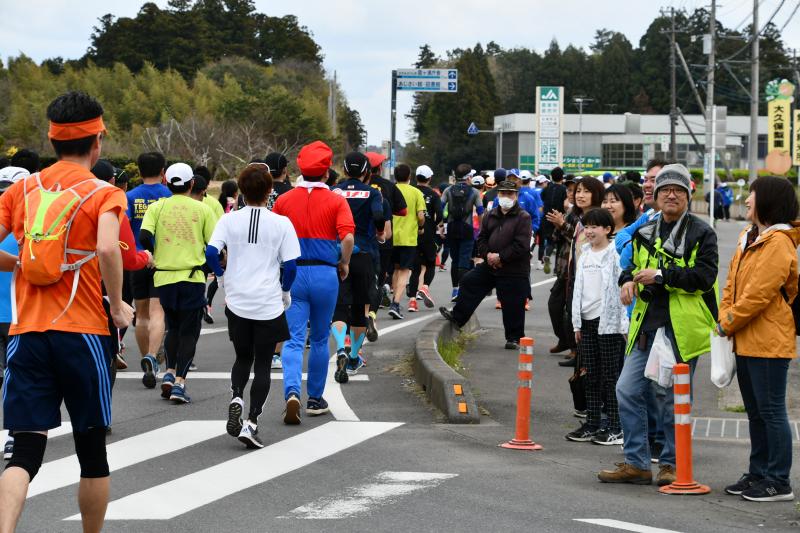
585	433
8	449
426	296
578	413
385	299
166	385
547	264
207	318
317	406
341	367
291	415
394	311
745	482
606	437
119	361
768	490
354	364
512	345
372	329
277	364
539	265
412	306
150	369
448	314
234	425
178	394
455	295
192	367
249	436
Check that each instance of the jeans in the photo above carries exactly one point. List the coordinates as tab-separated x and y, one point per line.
461	252
763	385
314	294
634	394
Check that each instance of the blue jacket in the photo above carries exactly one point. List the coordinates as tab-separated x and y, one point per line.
727	196
366	204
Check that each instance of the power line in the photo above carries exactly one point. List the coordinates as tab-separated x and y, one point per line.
790	16
750	41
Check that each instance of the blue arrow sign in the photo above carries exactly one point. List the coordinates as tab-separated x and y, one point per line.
452	74
472	129
452	86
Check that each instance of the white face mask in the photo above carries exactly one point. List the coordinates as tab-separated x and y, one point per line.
505	202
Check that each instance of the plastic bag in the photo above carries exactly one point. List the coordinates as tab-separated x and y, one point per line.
661	360
723	360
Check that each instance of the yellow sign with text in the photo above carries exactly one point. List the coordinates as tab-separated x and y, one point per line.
777	125
796	159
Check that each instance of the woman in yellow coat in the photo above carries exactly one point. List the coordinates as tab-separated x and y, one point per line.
756	312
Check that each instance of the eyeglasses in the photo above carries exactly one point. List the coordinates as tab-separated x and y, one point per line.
669	191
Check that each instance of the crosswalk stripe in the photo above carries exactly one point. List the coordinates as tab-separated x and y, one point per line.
624	526
381	490
227	375
190	492
339	407
64	429
126	452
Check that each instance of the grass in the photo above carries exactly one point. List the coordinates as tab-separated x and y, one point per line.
452	350
736	409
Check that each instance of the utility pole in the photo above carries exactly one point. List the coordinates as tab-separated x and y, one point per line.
393	125
711	178
581	101
333	102
752	143
673	112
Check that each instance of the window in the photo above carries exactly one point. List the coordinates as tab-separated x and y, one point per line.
623	155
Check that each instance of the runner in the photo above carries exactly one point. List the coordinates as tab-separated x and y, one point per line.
199	190
407	229
175	230
458	202
60	335
425	265
352	306
258	242
149	313
320	217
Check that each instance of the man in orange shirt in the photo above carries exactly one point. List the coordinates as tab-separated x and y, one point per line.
59	350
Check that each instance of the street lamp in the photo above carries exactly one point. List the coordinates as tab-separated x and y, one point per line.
581	101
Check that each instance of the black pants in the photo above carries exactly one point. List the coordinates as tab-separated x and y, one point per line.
212	290
557	307
254	342
512	291
426	255
355	292
600	355
183	331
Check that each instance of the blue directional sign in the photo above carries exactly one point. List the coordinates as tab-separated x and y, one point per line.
452	74
427	80
472	129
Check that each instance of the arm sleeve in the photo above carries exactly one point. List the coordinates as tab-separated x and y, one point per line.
399	206
116	201
131	259
146	240
376	206
344	219
212	258
702	276
478	204
520	247
727	290
289	273
436	207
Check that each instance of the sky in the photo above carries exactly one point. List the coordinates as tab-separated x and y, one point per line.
362	41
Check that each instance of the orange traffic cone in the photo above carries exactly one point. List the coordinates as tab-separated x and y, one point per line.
522	440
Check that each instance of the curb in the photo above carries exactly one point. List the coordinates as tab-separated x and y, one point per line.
447	389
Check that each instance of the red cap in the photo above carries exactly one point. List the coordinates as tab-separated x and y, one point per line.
375	159
314	159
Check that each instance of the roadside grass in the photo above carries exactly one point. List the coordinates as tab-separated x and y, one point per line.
453	350
736	409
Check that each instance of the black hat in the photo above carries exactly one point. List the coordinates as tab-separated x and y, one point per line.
356	164
507	186
276	162
104	170
200	183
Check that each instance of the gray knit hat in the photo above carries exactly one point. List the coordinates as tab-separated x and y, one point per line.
674	174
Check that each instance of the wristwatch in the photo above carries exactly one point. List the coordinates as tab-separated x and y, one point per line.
659	278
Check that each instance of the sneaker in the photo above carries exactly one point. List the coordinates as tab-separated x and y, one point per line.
291	415
412	306
234	425
120	363
512	345
454	297
249	436
192	367
317	406
580	414
372	329
606	437
425	295
767	490
442	268
745	482
626	473
539	265
166	385
341	367
585	433
277	364
655	452
666	475
385	300
354	364
207	318
150	369
568	362
394	311
8	449
448	314
498	305
178	394
546	267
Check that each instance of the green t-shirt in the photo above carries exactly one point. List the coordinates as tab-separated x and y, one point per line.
215	206
405	229
181	227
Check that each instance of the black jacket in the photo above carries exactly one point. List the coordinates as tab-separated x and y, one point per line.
509	235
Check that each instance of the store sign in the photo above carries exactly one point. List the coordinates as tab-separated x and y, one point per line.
780	94
549	128
796	159
576	164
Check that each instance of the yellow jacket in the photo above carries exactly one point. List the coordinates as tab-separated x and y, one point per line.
754	310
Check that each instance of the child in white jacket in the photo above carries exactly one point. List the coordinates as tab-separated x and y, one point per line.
600	323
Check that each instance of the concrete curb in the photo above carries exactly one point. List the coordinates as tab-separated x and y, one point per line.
441	383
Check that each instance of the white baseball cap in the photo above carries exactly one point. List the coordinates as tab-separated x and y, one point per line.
425	171
13	174
478	180
526	175
541	178
179	174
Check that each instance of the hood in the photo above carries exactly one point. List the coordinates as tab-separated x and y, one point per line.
791	230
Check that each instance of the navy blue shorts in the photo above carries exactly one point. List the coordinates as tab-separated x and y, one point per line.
44	369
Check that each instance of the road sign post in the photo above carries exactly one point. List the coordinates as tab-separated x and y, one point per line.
549	130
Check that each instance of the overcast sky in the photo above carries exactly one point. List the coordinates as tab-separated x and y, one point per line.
364	40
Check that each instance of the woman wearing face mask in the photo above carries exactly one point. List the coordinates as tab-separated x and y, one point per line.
504	246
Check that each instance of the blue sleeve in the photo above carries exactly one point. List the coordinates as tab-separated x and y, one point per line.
212	258
479	209
289	273
536	220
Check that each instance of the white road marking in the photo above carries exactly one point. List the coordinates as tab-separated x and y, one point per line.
64	429
227	375
339	407
126	452
624	526
193	491
208	331
383	489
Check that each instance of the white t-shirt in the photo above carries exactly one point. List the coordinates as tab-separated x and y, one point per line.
258	242
592	297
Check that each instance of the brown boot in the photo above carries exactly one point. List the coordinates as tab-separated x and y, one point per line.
626	473
666	475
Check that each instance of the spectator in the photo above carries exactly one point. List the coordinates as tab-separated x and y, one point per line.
27	159
727	200
756	312
553	197
229	196
618	201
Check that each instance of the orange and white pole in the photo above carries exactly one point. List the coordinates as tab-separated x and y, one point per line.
684	478
522	440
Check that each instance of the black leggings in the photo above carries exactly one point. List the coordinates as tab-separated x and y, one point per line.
212	290
254	342
183	331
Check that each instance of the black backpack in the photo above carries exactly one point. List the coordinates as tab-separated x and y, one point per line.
795	305
457	208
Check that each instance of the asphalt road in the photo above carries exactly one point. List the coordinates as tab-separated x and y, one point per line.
383	461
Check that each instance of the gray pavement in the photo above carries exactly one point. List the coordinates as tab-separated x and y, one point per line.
172	472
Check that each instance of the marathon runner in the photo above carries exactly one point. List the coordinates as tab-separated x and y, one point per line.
425	263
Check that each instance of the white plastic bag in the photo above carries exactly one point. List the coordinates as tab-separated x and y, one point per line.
661	360
723	360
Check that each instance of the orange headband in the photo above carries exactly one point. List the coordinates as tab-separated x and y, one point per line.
76	130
